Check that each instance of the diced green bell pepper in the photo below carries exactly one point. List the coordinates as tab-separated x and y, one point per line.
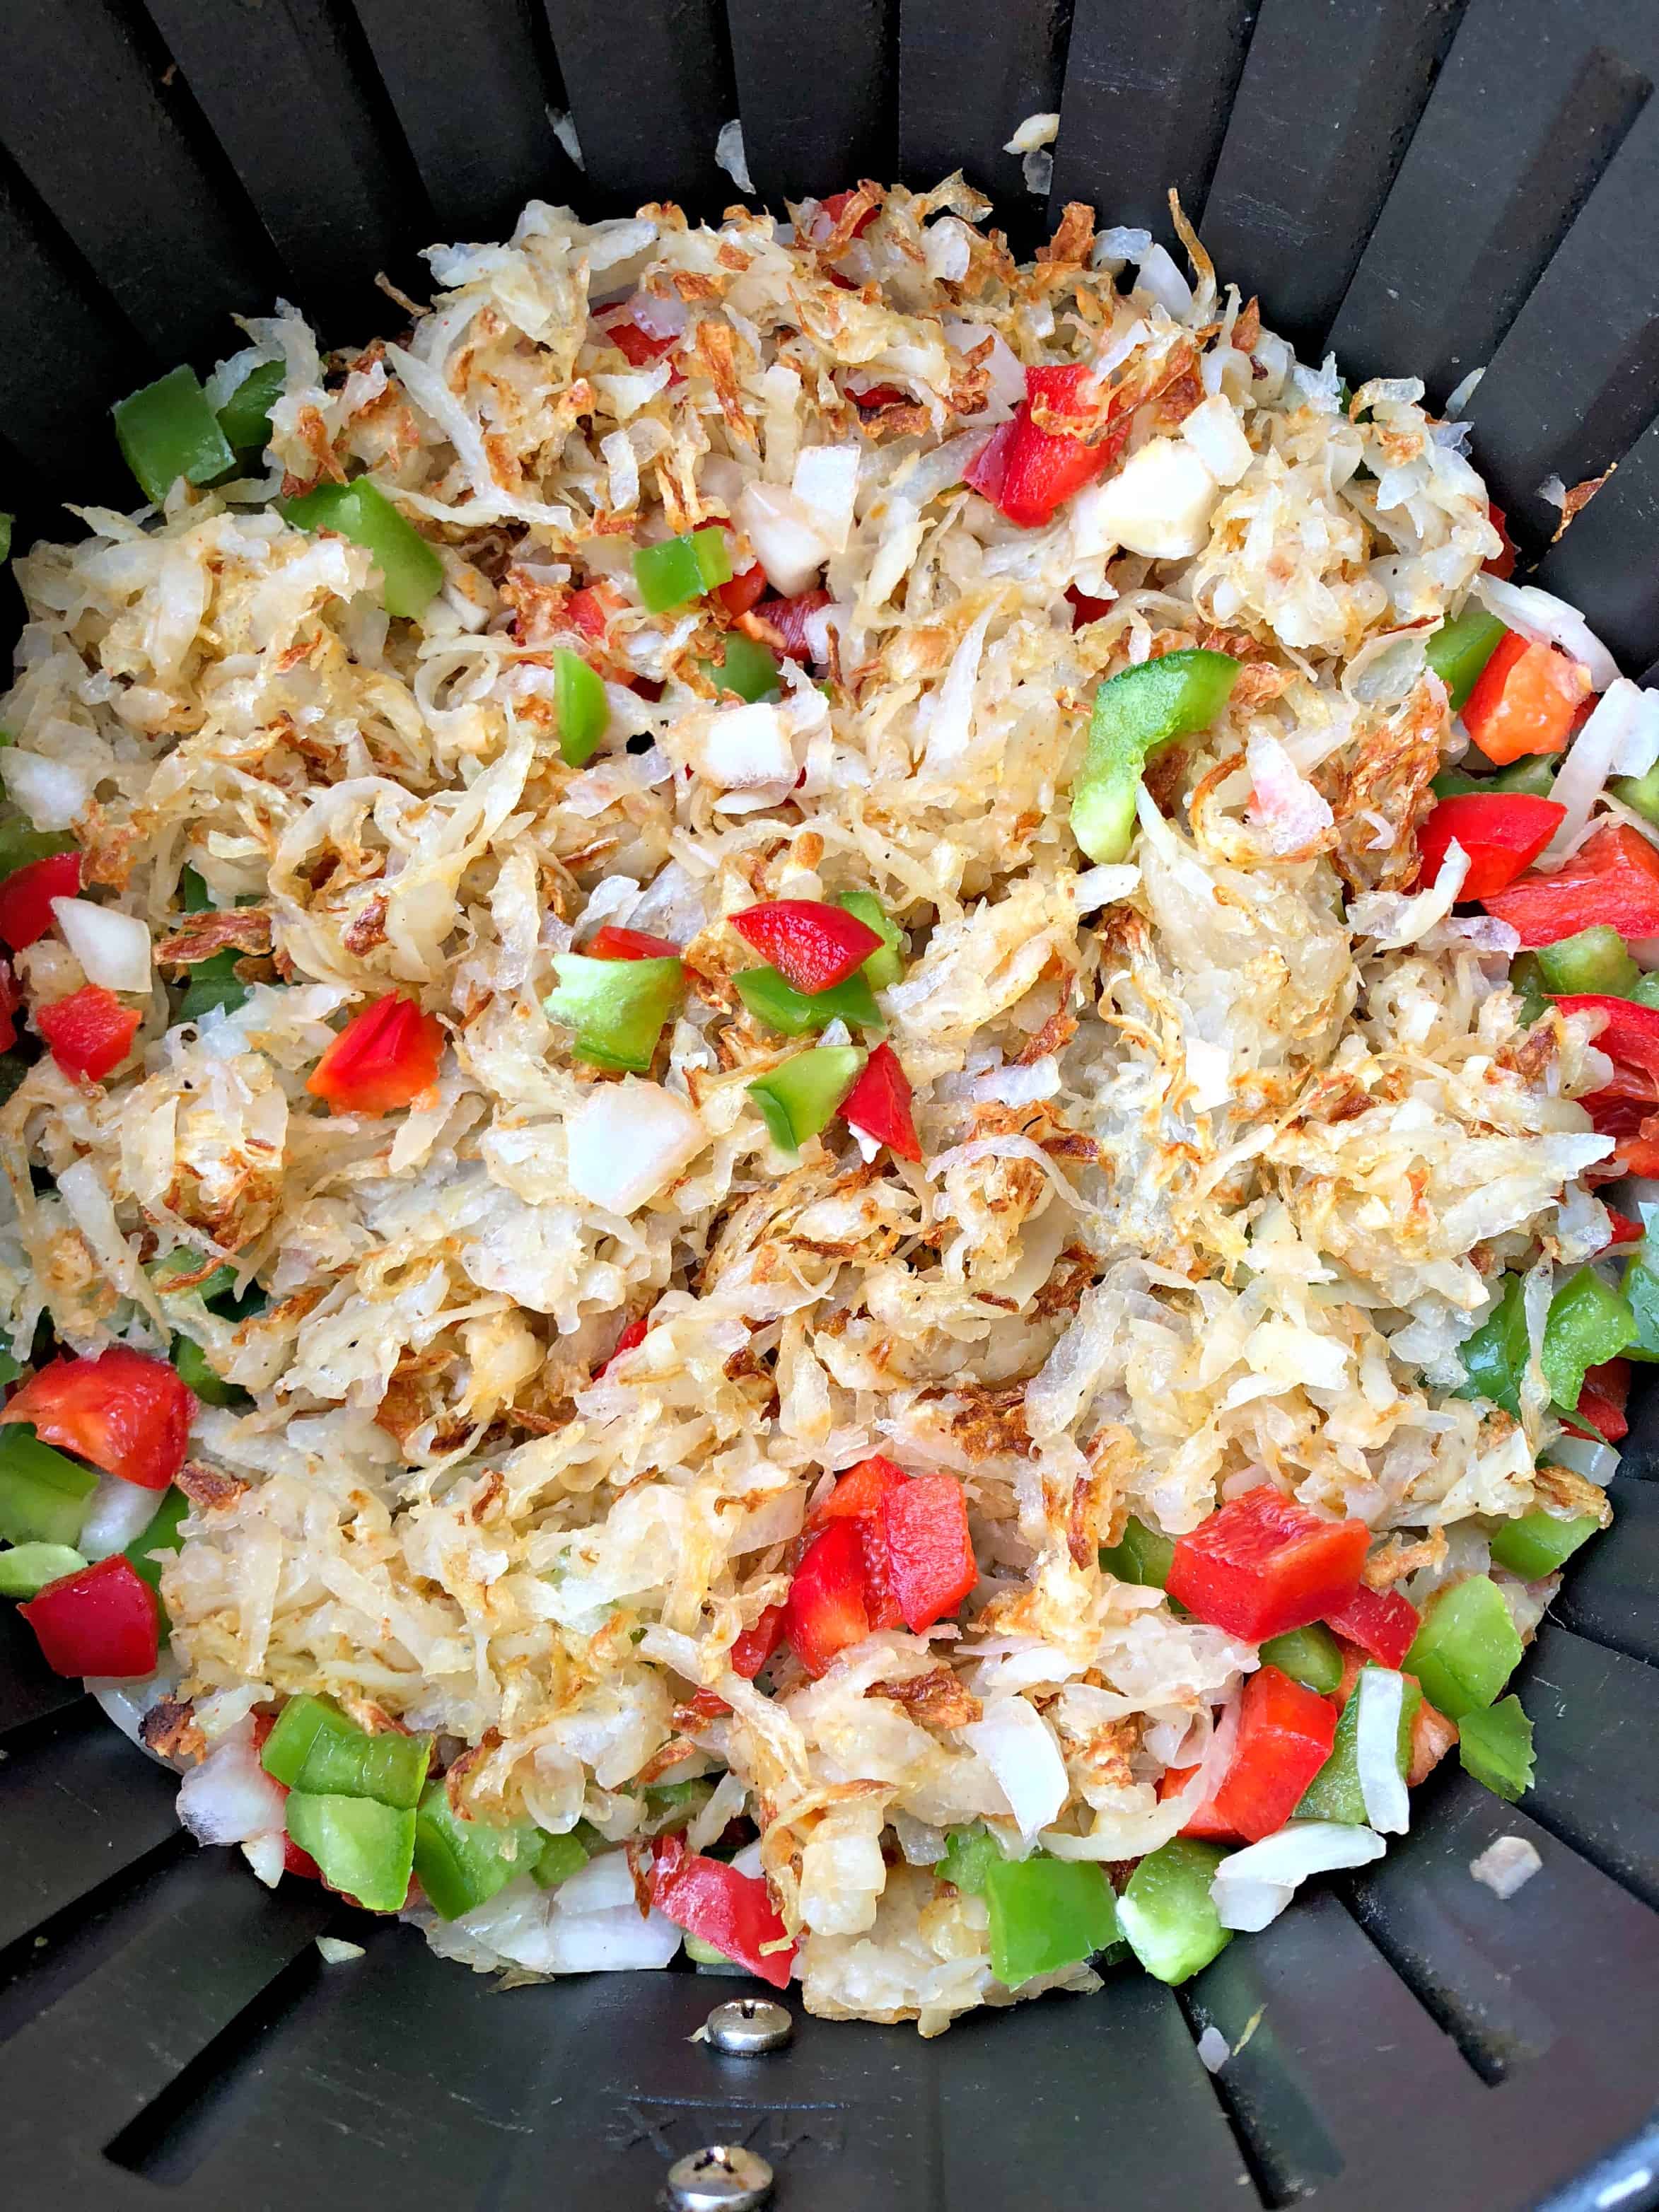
1595	959
969	1854
1495	1357
1144	1556
1640	792
800	1013
1459	649
562	1856
617	1007
410	569
169	1269
1533	774
462	1863
1167	1915
1642	1289
194	896
1588	1323
1535	1544
708	1961
161	1535
1334	1793
302	1720
363	1849
199	1373
1134	714
748	668
1047	1913
884	967
1495	1746
1466	1648
26	1569
214	984
681	568
800	1097
1311	1656
671	1806
43	1495
245	418
6	521
1646	991
579	703
21	842
315	1748
166	430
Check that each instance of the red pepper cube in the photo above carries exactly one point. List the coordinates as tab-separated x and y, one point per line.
860	1491
1381	1622
124	1411
1502	562
1503	832
1525	700
789	617
90	1032
1601	1399
812	944
609	943
732	1911
1263	1564
631	1338
1613	878
26	895
826	1609
879	1104
931	1566
1285	1732
1628	1034
748	585
384	1058
1028	470
101	1620
837	205
752	1649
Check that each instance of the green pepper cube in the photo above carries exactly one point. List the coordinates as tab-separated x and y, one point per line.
1495	1357
1144	1556
19	844
1135	714
1334	1793
1167	1914
798	1098
1642	1289
182	1270
1467	1647
410	571
1533	774
166	430
300	1722
43	1495
214	985
1311	1656
748	668
672	1805
1596	959
579	703
969	1854
681	568
26	1569
1047	1913
245	418
777	1002
1639	792
1588	1323
161	1535
1537	1543
561	1857
1495	1746
363	1848
388	1767
707	1959
886	966
617	1007
198	1372
1459	649
462	1863
1646	991
6	521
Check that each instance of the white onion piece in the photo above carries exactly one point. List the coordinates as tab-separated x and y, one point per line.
126	1702
627	1141
605	1942
601	1886
826	482
786	535
267	1854
1158	275
1213	430
51	793
229	1798
1596	1462
1019	1746
1505	1865
116	1512
1212	1768
658	318
111	946
1622	731
730	154
1541	616
1159	501
1214	2048
1382	1692
1254	1885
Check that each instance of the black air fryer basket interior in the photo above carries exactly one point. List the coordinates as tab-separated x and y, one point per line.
1425	184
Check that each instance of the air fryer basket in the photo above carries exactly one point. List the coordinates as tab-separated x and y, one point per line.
1425	184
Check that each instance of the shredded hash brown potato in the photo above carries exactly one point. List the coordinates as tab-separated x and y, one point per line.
1225	1149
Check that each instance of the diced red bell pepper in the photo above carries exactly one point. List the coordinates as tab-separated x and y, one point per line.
929	1560
732	1911
748	585
788	617
858	1492
1613	878
1503	563
1633	1124
1028	472
586	610
1630	1037
384	1058
1503	832
1621	1229
752	1649
633	1335
826	1608
879	1104
1264	1564
125	1412
102	1619
294	1861
836	206
1285	1732
812	944
1525	699
1382	1622
26	895
1602	1401
1086	610
90	1032
609	943
638	346
872	396
11	1001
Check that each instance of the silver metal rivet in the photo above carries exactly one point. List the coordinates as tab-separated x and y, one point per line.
749	2026
721	2177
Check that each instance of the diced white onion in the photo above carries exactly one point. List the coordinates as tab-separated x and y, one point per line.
1215	431
1158	274
1542	617
113	947
337	1952
125	1703
229	1797
1621	738
117	1512
1252	1886
1382	1692
730	154
785	532
51	793
1596	1462
1505	1865
1458	397
1160	500
1019	1746
826	482
1214	2048
629	1140
1105	885
1036	131
745	748
267	1854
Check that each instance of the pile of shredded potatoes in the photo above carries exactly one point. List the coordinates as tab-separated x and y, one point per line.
1224	1148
